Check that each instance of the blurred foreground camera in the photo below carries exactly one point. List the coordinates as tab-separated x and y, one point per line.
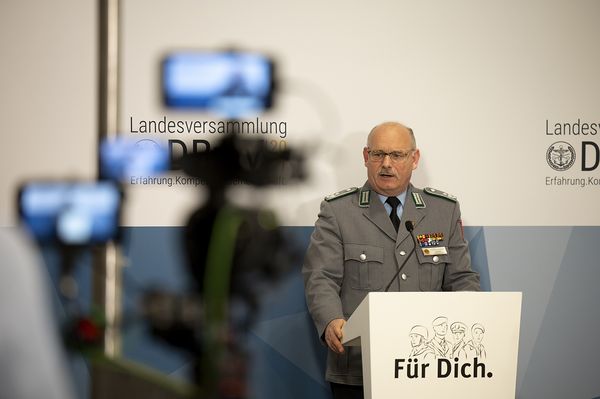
234	254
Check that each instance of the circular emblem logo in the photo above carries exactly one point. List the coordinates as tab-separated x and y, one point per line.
560	156
147	144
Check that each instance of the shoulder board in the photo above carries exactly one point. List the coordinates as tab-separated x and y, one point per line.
341	194
441	194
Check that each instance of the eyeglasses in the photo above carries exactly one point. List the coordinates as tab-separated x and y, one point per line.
395	156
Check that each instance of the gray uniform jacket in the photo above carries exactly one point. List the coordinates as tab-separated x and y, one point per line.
354	249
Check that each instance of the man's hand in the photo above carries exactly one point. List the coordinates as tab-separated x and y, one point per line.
333	335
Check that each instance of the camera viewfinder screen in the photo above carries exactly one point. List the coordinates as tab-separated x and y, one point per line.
229	83
71	213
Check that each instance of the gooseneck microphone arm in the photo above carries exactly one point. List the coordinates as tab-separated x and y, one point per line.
410	227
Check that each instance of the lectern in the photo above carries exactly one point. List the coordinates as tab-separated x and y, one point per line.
437	344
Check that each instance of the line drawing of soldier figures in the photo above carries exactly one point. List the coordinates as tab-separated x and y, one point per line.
418	340
474	347
458	330
441	347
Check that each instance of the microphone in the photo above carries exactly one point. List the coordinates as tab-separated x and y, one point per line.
410	226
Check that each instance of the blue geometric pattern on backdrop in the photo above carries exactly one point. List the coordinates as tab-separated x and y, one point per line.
475	236
567	349
558	271
288	359
556	268
154	260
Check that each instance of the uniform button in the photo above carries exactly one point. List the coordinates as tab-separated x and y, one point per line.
436	259
402	253
403	276
363	257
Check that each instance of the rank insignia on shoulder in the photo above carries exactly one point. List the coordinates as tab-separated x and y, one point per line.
341	194
441	194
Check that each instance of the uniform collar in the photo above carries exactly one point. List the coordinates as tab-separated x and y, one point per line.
401	197
377	214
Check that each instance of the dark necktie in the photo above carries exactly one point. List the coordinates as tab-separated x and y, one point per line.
394	202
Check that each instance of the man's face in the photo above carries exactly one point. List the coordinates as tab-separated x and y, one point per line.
441	329
386	176
458	335
477	335
415	340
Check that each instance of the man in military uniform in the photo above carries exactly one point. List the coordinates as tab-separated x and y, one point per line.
418	341
360	241
439	344
458	349
474	348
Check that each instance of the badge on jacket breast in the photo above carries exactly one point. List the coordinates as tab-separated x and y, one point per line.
430	244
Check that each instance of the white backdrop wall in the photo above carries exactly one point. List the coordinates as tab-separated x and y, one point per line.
477	81
47	94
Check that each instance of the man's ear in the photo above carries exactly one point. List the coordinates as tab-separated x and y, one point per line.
416	157
365	155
